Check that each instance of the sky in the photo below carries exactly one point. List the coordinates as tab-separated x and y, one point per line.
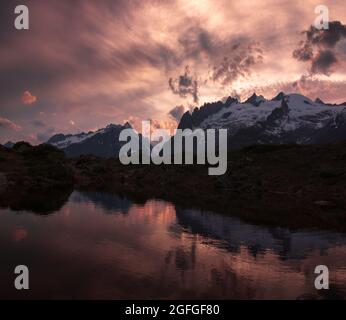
84	64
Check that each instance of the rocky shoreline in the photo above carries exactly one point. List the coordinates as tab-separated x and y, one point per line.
291	186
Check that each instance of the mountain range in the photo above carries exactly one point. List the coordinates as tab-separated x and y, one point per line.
103	142
284	119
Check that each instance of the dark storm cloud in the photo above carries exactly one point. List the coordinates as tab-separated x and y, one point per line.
304	53
196	41
238	63
185	85
323	61
319	48
326	37
177	112
228	59
342	47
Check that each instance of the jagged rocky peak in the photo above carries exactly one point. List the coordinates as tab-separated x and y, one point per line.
194	119
186	121
280	96
230	100
319	101
127	125
255	99
57	137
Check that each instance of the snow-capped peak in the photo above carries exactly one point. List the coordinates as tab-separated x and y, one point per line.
279	96
255	100
298	100
287	118
62	141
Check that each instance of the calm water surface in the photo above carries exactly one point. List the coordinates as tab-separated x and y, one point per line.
103	246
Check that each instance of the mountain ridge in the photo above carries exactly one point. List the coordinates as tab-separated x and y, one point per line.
102	142
284	119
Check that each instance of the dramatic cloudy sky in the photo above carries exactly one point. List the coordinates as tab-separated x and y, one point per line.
87	63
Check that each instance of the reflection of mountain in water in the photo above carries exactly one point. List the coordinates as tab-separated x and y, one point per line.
109	202
233	233
228	232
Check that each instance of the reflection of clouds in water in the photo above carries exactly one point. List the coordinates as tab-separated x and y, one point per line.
231	233
195	237
158	251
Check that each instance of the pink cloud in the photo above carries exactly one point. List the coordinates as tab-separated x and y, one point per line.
8	124
28	98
